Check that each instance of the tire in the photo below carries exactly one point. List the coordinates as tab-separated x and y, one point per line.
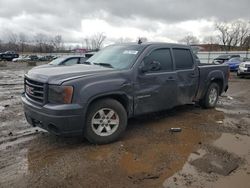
106	121
238	74
211	97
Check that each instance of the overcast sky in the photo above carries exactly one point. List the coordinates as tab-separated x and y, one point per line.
158	20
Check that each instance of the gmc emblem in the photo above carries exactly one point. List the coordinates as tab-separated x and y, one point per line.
29	90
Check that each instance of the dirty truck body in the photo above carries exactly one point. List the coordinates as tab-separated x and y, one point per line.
121	81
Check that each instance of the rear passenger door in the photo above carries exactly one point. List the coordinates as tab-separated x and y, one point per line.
187	75
155	90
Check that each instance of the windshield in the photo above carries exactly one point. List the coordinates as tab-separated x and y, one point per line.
117	57
57	61
235	59
223	57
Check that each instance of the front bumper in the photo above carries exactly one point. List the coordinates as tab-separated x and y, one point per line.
233	67
244	71
64	120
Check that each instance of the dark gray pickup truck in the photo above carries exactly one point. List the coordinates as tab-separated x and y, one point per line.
121	81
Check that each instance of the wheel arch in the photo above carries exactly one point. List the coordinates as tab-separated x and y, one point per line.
220	83
122	98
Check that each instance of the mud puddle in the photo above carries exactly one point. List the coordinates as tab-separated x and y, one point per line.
224	162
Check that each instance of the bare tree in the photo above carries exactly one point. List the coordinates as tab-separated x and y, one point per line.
40	40
190	39
96	41
22	41
232	34
57	42
12	39
87	43
223	36
246	43
244	32
43	43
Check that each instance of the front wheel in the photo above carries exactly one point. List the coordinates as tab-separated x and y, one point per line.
211	97
239	75
106	121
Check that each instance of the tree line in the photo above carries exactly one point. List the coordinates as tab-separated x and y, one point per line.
228	35
42	43
39	43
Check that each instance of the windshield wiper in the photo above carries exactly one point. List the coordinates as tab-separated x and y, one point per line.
87	62
104	65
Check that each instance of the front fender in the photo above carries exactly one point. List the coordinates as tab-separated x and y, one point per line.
103	87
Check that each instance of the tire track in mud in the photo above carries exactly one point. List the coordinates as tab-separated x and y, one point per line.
14	131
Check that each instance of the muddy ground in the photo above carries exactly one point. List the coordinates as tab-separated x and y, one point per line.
213	149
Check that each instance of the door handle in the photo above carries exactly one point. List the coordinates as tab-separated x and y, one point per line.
170	78
193	75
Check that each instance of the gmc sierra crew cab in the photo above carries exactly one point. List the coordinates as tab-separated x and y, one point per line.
95	99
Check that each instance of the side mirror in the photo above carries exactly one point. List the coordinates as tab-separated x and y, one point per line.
155	66
149	65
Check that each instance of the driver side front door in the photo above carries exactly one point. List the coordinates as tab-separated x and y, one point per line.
155	90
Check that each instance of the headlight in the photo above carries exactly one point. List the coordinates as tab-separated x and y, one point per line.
60	94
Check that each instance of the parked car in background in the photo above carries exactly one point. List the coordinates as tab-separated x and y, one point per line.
46	58
22	58
33	58
8	55
65	61
244	69
234	63
89	54
246	59
25	58
222	58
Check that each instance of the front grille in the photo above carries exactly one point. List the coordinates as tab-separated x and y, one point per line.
35	90
247	65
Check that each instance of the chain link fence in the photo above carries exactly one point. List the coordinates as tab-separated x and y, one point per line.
207	57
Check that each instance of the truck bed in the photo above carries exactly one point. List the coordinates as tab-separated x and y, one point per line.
205	71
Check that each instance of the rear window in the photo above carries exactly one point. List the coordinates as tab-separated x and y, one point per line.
183	59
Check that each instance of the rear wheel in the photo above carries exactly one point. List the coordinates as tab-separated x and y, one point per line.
239	75
106	121
211	97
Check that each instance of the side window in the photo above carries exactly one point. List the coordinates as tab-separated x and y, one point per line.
71	61
163	56
82	60
183	59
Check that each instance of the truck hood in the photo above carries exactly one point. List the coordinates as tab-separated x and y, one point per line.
60	74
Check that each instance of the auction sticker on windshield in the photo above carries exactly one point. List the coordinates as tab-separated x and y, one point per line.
134	52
